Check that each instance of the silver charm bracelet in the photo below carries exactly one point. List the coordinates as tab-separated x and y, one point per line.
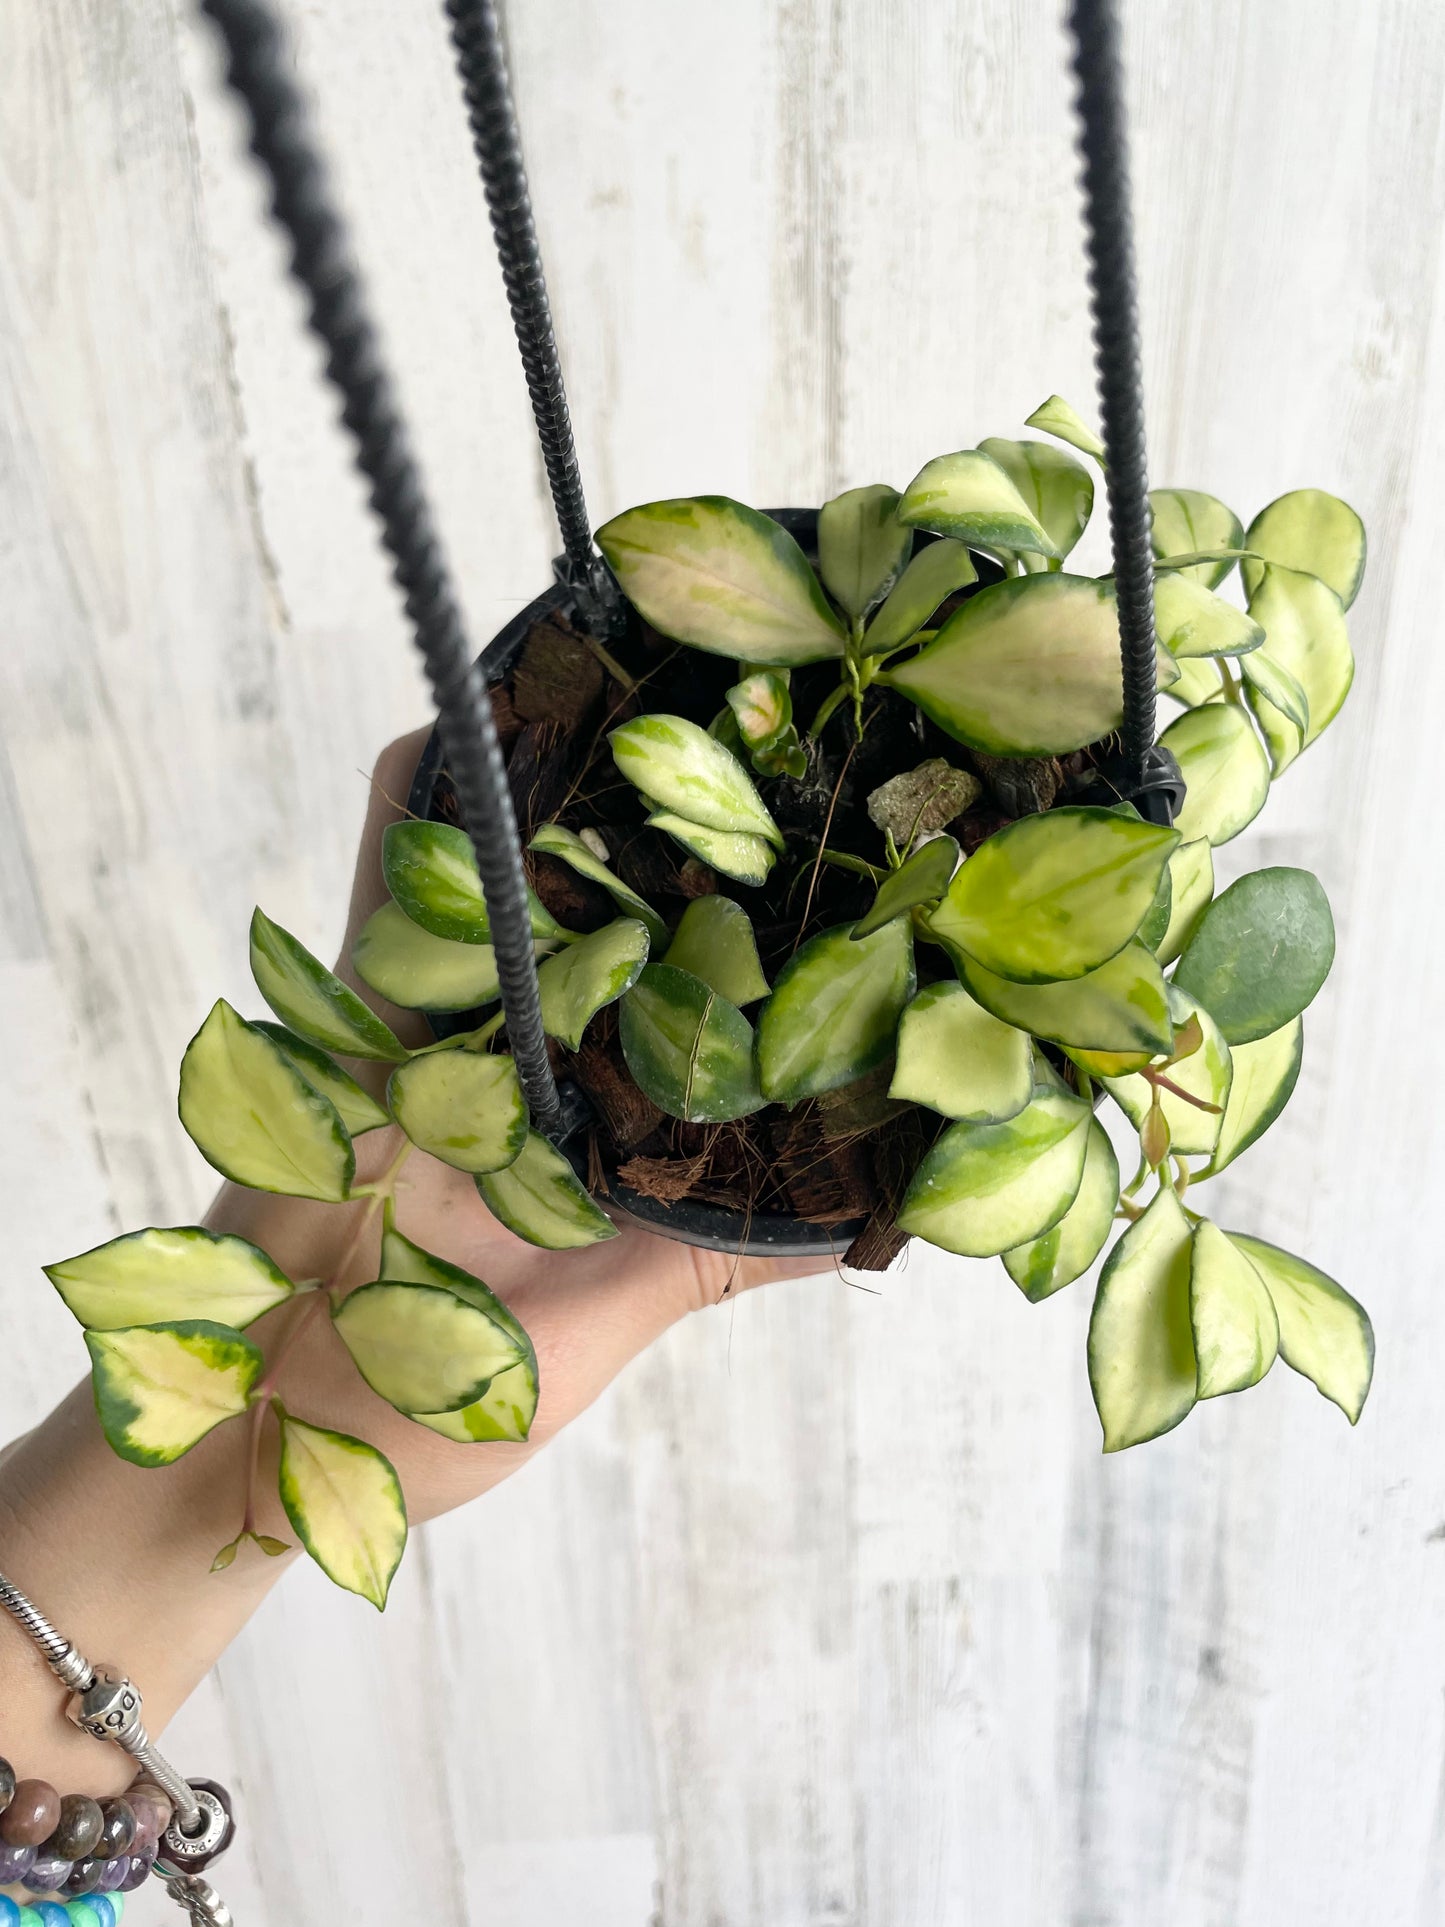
105	1704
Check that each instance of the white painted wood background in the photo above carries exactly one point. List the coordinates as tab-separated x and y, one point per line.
831	1615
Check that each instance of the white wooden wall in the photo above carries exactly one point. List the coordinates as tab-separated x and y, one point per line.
831	1615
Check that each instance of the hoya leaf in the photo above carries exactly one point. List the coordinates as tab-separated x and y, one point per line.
1141	1344
308	998
969	498
406	1263
585	977
462	1106
1058	490
1066	1250
923	878
157	1277
1121	1006
1056	417
931	577
985	1188
1278	686
1236	1332
253	1116
680	768
431	871
540	1198
834	1011
714	940
762	708
1199	682
959	1060
1305	634
1205	1074
1054	895
159	1389
1191	886
345	1505
409	966
1260	953
1313	532
553	840
357	1109
1028	667
1107	1063
1225	770
689	1050
1186	522
710	572
1155	926
862	546
1193	621
1265	1074
743	856
422	1348
1323	1333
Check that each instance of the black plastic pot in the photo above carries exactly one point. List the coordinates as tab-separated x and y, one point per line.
772	1234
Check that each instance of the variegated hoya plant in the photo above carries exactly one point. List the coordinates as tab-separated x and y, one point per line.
1009	991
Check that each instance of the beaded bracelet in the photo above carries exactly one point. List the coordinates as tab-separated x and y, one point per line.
85	1851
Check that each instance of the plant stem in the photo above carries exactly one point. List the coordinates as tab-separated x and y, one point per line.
818	859
610	663
826	708
1233	690
1163	1083
843	861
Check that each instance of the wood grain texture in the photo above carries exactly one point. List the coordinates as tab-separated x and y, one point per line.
831	1615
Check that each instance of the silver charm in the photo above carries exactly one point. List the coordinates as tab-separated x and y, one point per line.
190	1848
109	1707
200	1899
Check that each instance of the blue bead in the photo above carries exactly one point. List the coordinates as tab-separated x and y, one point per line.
105	1914
52	1913
9	1912
80	1913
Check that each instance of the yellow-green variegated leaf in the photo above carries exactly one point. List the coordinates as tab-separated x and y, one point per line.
834	1011
431	871
1280	688
1225	770
714	940
159	1389
862	546
1199	682
1192	621
985	1188
680	768
1313	532
506	1409
1054	895
155	1277
409	966
1323	1332
587	976
553	840
1236	1332
357	1109
923	878
1191	887
345	1505
1265	1074
936	571
1056	417
540	1198
1205	1074
1028	667
710	572
252	1115
1064	1252
308	998
1305	634
1261	952
1058	490
462	1106
688	1049
1122	1006
421	1347
959	1060
740	855
762	708
1187	521
969	498
1141	1344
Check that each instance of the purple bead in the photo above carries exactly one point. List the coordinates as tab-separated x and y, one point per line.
113	1873
83	1876
15	1863
47	1874
140	1870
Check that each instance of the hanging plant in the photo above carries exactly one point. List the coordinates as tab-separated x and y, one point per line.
843	921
